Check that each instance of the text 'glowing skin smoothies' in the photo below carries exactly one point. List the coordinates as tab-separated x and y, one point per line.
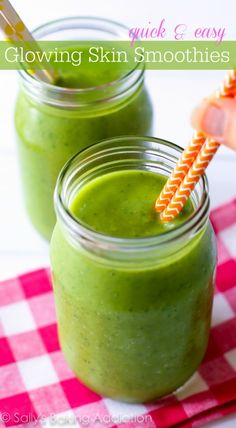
133	294
53	122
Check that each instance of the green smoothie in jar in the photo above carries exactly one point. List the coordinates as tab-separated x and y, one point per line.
133	295
53	122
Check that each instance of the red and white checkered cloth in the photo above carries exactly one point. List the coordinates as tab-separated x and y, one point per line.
37	386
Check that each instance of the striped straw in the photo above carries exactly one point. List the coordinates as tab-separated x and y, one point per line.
190	180
16	31
186	160
186	174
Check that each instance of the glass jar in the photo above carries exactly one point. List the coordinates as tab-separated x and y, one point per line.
133	314
53	123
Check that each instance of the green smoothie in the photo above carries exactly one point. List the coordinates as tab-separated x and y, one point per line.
133	331
128	197
50	130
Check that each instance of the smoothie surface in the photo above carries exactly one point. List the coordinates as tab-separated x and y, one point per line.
121	204
84	76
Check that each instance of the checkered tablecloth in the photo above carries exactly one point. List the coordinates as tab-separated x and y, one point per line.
37	386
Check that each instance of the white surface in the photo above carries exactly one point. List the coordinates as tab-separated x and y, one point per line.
17	318
44	372
231	358
118	409
227	239
194	385
174	94
221	310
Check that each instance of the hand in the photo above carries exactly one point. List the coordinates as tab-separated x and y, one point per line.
217	118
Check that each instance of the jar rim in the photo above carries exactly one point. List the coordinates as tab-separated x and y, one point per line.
50	28
194	223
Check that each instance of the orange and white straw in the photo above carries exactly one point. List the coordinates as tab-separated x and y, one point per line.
186	160
16	31
190	180
192	164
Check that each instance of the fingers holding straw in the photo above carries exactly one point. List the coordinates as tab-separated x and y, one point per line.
217	119
186	174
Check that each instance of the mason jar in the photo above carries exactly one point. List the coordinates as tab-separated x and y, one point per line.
53	123
133	314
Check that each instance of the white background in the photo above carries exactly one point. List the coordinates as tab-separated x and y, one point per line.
174	94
